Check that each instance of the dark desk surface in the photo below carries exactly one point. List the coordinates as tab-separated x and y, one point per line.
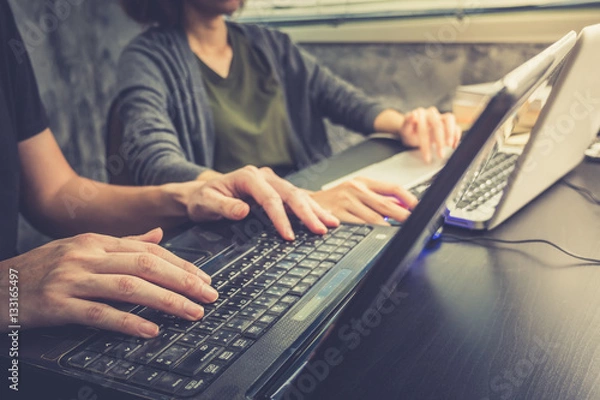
495	322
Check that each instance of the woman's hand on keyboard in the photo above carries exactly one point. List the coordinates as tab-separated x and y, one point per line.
222	198
69	280
364	200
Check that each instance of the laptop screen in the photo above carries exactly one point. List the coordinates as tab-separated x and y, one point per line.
426	219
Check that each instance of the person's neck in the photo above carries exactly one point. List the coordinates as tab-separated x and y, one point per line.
206	34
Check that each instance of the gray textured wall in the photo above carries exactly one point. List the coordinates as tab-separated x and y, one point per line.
75	44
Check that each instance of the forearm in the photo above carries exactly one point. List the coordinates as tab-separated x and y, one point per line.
83	205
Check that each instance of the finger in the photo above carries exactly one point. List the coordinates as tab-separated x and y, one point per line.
423	133
299	203
153	236
350	218
253	183
405	197
134	246
437	130
379	207
364	212
450	128
133	290
327	217
457	136
216	205
103	316
151	268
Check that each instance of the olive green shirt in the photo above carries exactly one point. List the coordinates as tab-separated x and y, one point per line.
249	112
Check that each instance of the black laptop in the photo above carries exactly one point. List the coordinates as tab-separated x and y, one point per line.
282	305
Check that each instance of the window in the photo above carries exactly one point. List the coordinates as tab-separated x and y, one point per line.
299	12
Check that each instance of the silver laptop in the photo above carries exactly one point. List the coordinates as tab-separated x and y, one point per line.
544	140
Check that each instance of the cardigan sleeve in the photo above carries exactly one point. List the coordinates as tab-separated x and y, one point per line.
151	146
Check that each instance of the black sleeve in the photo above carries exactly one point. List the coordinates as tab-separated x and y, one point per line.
18	80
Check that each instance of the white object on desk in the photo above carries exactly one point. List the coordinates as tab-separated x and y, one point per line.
406	169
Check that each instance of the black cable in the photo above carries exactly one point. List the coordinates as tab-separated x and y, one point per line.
583	191
524	241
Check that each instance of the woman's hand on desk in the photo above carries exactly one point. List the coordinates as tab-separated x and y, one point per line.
422	128
363	200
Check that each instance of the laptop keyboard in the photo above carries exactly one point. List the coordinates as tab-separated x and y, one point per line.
488	183
254	292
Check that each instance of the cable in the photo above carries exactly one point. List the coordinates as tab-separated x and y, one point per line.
455	239
583	191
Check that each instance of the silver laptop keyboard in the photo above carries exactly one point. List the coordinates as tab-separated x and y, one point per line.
254	292
489	182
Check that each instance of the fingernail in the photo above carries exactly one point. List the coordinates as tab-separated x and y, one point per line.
204	276
237	210
148	329
193	310
290	234
210	293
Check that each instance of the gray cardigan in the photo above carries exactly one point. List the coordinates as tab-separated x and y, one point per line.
168	129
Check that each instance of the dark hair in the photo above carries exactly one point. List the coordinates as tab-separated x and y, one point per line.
154	12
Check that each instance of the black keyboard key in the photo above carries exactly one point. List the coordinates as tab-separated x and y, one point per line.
228	291
255	330
152	347
223	313
318	255
208	326
275	272
169	383
267	319
308	263
83	359
192	339
279	308
198	359
298	272
288	281
239	302
223	337
145	376
193	387
304	249
227	356
123	370
251	291
265	301
102	364
241	344
181	325
342	249
252	312
335	257
264	281
169	357
310	280
289	299
286	264
102	345
294	257
211	371
277	290
334	242
300	289
122	350
319	272
239	324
